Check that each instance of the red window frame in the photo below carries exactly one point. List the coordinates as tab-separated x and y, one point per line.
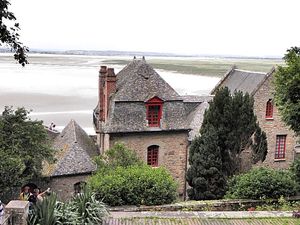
152	155
154	111
280	147
269	109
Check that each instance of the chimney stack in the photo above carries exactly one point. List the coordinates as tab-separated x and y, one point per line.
107	86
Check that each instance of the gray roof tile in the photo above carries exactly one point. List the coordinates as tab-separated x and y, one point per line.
75	150
241	80
138	81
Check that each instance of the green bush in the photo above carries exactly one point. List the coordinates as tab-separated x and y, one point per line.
134	185
262	183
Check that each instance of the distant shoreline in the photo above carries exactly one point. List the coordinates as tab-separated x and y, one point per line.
140	54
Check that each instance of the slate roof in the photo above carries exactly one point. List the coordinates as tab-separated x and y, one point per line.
75	150
195	119
138	81
241	80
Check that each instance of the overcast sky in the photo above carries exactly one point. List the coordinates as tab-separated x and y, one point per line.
223	27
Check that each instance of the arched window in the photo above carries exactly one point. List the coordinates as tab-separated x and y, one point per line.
152	155
269	109
154	111
79	186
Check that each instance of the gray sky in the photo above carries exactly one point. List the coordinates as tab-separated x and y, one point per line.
230	27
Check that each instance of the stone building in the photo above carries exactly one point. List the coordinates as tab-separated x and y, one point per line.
282	141
74	152
140	109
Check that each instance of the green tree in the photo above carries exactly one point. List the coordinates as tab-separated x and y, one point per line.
287	89
24	145
118	155
228	128
9	36
205	174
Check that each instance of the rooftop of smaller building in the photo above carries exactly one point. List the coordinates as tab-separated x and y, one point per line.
241	80
74	152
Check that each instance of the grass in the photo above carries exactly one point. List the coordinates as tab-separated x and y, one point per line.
189	65
207	66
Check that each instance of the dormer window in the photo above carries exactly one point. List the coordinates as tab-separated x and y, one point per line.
154	111
269	109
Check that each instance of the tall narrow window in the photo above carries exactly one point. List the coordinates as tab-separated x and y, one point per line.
152	155
154	111
269	109
280	146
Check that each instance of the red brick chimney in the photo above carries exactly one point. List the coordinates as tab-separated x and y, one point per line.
107	86
102	74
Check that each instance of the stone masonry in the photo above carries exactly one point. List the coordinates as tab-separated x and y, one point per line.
273	126
172	150
63	186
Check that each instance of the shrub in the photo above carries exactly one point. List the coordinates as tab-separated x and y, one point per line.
262	183
134	185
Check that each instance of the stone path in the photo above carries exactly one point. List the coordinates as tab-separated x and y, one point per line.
206	218
199	221
203	214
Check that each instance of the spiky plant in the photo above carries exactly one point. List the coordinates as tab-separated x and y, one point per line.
44	212
89	210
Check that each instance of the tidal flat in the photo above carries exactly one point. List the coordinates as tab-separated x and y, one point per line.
58	88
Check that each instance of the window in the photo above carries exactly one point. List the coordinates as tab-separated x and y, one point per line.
79	186
154	111
269	109
152	155
280	147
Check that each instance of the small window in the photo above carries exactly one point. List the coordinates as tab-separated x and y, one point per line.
280	146
79	186
152	155
269	109
154	111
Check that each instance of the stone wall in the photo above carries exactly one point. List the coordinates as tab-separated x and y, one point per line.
63	186
273	126
172	150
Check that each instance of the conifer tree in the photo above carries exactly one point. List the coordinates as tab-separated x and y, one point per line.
228	128
205	174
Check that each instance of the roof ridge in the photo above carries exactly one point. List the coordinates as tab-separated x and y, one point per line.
227	74
74	130
249	71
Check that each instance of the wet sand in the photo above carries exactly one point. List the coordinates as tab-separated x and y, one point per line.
60	88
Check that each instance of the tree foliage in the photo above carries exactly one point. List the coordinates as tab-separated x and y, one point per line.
228	128
118	155
205	174
9	36
287	89
24	145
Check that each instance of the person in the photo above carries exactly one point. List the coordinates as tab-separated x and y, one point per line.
51	126
37	196
1	212
25	194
